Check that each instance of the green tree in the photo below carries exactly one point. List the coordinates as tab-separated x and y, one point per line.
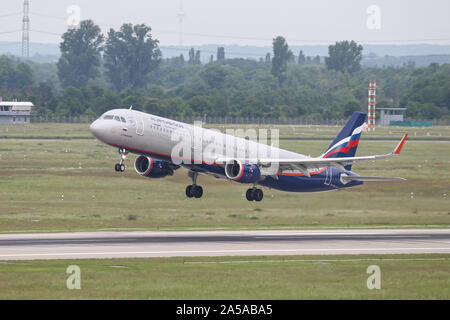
22	76
6	70
220	53
214	75
281	56
80	54
197	57
72	102
131	55
344	56
191	56
301	58
350	107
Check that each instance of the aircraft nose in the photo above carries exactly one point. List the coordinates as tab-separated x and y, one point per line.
95	128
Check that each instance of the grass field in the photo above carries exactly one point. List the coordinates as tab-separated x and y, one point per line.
293	277
81	131
35	173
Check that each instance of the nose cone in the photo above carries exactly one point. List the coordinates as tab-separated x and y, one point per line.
95	129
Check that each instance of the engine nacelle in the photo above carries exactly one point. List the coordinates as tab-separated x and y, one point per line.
242	171
147	167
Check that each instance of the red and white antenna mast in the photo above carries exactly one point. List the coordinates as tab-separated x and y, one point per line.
371	105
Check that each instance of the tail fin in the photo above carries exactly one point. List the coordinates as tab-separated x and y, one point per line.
346	142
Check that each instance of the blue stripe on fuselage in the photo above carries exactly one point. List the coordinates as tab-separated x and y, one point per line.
288	183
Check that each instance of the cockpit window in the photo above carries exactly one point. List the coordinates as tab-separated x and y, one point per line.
108	117
123	119
117	118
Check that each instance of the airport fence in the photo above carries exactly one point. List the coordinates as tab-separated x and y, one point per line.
301	121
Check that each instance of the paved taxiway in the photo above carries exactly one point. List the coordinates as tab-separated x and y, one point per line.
221	243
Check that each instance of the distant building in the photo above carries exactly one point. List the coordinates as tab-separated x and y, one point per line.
15	112
390	114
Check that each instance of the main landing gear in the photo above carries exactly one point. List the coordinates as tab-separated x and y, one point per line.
120	167
194	190
254	194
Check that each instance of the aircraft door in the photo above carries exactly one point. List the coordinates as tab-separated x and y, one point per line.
139	124
328	176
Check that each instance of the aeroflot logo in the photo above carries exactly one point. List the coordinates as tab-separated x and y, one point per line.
201	146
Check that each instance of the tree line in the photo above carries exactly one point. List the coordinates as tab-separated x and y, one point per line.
125	67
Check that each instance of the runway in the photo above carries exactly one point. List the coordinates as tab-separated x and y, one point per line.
84	245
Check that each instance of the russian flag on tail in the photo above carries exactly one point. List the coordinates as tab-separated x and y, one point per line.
346	142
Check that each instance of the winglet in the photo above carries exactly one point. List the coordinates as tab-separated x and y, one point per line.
399	147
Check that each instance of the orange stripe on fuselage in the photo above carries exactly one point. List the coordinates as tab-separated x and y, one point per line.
301	174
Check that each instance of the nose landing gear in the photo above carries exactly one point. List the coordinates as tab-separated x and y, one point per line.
120	167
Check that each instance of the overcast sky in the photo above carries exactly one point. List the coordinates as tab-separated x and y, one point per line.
245	22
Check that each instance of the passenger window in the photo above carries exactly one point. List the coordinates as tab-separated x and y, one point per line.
108	117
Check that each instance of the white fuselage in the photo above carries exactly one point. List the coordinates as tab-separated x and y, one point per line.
161	137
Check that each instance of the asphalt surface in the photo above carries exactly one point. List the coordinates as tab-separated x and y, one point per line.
221	243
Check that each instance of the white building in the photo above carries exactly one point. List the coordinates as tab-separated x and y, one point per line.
390	114
15	112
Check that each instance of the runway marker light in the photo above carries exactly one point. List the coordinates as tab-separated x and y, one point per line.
412	195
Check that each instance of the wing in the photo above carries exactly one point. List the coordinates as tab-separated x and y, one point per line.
303	165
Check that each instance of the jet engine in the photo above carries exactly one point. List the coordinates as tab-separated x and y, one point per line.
150	168
242	171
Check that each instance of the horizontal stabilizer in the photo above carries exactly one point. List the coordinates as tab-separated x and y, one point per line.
346	179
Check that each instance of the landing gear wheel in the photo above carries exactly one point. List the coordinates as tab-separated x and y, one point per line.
197	191
254	194
120	167
258	195
249	194
189	193
194	191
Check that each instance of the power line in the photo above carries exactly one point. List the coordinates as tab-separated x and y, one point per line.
10	14
47	16
12	31
234	37
46	32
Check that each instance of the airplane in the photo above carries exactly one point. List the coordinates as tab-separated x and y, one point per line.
155	138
